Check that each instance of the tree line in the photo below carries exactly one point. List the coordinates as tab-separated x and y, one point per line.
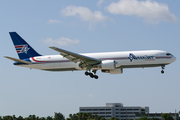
77	116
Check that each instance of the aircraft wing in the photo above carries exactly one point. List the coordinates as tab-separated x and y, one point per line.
74	57
18	60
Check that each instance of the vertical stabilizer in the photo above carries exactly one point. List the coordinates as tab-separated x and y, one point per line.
23	49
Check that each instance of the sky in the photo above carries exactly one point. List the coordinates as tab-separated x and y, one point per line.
85	27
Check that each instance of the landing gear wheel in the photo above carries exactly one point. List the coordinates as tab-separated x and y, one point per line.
163	67
95	76
91	75
86	73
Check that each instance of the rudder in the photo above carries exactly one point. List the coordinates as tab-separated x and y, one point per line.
23	49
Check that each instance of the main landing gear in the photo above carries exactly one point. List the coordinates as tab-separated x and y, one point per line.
91	74
162	71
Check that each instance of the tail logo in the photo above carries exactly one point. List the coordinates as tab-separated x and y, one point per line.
132	56
22	48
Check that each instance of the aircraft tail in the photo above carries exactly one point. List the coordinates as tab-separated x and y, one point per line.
23	49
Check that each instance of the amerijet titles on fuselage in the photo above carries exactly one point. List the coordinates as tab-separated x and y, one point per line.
107	62
131	57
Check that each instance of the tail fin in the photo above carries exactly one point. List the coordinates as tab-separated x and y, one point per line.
23	49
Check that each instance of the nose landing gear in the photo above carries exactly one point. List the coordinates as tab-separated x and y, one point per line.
91	74
162	71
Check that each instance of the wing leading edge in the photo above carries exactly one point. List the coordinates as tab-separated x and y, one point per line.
85	61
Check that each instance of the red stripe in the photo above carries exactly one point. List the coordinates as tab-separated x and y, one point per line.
23	49
38	60
18	51
50	61
35	60
19	46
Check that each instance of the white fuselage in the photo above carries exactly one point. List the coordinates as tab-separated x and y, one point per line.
126	59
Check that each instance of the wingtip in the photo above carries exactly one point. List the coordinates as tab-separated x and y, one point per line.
52	47
7	57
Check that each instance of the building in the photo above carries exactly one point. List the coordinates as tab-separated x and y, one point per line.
116	110
124	113
175	116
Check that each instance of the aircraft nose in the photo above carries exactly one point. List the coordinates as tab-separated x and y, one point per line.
174	58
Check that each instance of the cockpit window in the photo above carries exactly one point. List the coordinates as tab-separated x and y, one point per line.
169	54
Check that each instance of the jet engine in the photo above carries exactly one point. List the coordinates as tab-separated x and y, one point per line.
108	64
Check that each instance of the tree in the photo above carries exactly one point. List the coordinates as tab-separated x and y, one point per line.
113	118
42	118
26	118
144	118
20	118
75	117
70	116
32	117
84	116
155	118
49	118
102	118
58	116
8	117
14	117
166	116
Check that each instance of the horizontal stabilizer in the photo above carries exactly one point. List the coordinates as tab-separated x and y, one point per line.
18	60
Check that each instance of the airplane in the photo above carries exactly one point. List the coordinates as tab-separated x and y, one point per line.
107	62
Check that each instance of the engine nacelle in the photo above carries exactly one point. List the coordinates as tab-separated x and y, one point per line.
108	64
113	71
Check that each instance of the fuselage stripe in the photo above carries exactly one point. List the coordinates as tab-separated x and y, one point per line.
50	61
118	58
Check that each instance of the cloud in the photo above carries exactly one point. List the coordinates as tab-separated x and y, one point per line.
84	13
151	11
100	2
51	21
90	95
60	42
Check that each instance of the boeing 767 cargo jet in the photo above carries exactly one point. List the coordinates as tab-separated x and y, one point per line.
107	62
